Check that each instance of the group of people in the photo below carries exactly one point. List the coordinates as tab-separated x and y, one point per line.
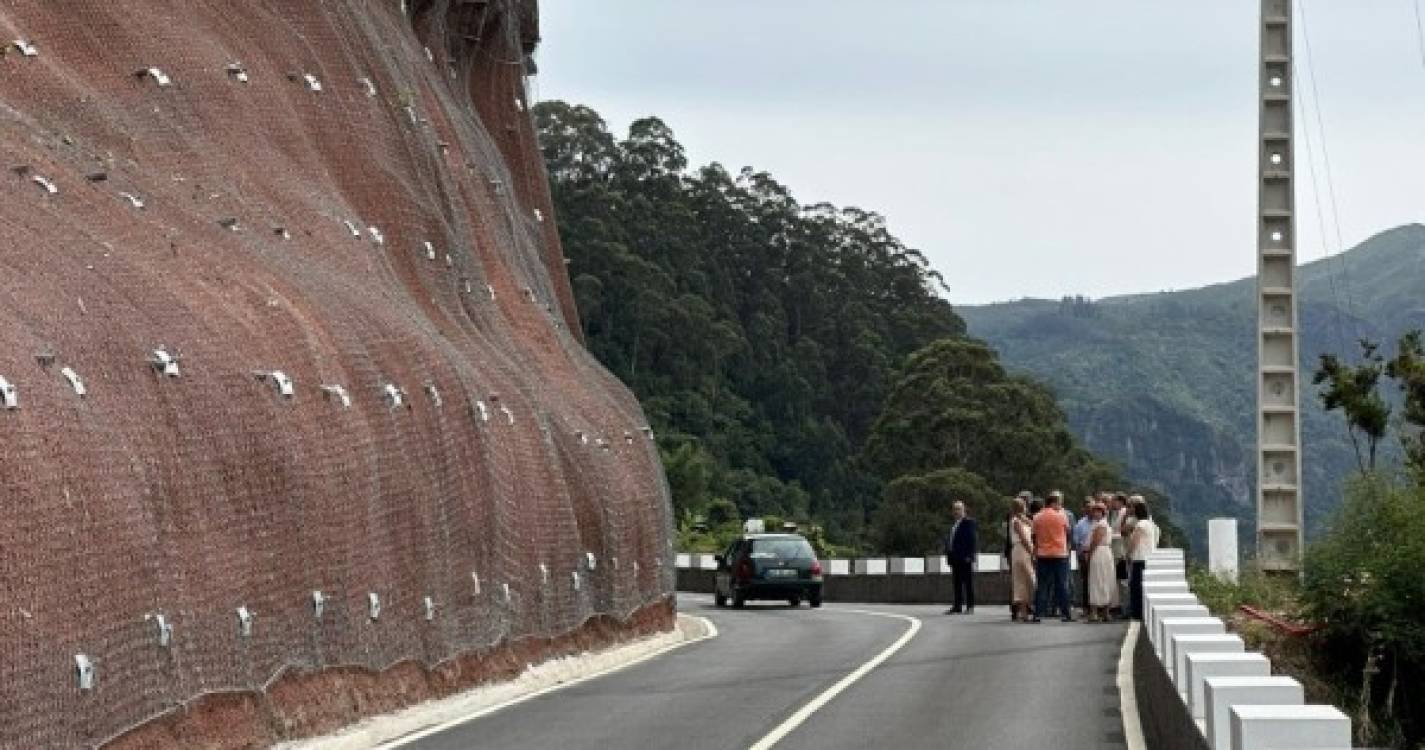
1111	542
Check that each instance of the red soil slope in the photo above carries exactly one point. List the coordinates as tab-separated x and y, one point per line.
513	459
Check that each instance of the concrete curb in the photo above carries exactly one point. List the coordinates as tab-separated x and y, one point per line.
1127	692
414	723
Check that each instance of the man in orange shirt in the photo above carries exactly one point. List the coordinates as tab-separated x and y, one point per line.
1051	557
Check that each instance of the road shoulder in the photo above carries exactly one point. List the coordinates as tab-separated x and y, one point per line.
406	726
1127	692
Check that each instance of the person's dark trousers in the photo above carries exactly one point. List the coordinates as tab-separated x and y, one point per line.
1053	575
1083	582
1061	579
962	578
1041	585
1135	589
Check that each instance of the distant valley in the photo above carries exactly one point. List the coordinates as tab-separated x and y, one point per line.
1163	383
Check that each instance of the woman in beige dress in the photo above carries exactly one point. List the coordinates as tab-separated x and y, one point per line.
1021	561
1103	579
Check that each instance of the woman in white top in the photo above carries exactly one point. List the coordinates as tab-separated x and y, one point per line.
1103	580
1141	543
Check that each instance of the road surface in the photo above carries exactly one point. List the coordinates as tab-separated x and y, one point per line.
958	682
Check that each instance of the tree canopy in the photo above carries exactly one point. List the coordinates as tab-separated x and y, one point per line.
1354	390
764	338
760	334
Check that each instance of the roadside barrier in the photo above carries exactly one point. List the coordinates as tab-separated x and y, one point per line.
1197	687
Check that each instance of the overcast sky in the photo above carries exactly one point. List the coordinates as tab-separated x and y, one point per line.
1028	147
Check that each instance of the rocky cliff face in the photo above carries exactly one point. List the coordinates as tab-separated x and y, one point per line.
1204	468
299	426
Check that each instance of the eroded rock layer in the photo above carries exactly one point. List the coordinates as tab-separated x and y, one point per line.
379	465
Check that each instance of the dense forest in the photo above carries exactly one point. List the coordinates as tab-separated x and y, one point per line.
797	361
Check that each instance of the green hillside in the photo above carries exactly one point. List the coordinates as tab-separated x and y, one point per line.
797	362
1162	382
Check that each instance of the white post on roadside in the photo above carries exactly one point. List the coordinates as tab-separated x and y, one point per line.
1222	548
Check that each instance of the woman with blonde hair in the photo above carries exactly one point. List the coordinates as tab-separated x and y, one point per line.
1102	578
1021	561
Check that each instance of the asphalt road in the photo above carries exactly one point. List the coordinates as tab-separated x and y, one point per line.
960	682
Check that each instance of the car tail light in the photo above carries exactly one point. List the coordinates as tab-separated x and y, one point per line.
744	570
816	567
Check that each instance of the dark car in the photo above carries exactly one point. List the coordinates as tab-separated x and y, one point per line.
768	566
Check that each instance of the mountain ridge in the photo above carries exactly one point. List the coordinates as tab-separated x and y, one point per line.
1162	382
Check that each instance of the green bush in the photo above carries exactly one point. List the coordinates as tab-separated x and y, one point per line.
1366	578
1255	588
722	512
1365	583
914	515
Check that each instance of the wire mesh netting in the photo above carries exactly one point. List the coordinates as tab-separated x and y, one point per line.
301	260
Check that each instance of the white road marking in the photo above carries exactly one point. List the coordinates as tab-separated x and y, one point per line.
1127	698
805	712
711	632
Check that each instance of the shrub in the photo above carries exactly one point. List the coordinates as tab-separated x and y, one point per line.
914	515
1255	588
1365	583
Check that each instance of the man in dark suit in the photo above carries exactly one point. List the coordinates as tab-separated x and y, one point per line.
961	545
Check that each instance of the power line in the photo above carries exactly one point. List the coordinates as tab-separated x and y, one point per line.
1328	172
1420	32
1338	328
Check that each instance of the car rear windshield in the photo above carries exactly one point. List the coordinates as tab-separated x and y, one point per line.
781	549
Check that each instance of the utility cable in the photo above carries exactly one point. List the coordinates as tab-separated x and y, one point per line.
1329	175
1420	32
1316	193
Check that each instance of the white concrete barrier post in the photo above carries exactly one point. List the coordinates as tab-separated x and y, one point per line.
936	565
837	567
1165	587
1220	694
1176	626
909	566
988	563
705	561
1185	645
1222	548
1170	575
1275	727
1163	611
875	566
1161	587
1152	601
1202	665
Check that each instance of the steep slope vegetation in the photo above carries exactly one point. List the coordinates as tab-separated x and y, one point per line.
760	334
797	360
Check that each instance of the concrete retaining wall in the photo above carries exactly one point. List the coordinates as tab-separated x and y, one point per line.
1167	722
884	588
878	580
